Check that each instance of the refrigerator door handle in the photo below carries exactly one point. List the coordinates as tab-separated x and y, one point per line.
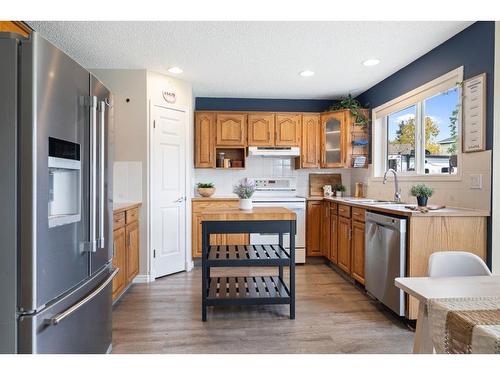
63	315
93	173
102	123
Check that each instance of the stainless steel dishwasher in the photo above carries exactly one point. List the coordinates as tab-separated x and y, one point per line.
385	259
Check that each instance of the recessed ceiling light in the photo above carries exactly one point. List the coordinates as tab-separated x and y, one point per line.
306	73
371	62
175	70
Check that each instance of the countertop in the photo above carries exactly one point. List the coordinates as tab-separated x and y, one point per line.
214	199
399	209
257	213
124	206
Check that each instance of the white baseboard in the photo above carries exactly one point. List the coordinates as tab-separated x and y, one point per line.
142	279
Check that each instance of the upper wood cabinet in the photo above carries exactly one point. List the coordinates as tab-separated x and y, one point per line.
204	148
231	129
288	129
333	140
261	129
310	146
15	27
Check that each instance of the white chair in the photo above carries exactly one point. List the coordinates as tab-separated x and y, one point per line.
456	263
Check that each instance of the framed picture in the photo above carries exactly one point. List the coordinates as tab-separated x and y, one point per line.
474	114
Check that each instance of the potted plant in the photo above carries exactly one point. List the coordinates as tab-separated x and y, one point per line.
205	189
339	189
244	190
422	192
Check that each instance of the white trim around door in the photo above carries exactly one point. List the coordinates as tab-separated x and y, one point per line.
169	179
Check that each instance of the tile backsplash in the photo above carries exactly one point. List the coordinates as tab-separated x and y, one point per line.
260	166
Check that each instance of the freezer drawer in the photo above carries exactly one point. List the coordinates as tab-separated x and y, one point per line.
78	323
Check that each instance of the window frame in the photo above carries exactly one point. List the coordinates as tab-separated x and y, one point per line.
415	98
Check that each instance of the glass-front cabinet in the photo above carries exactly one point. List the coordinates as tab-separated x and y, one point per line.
333	140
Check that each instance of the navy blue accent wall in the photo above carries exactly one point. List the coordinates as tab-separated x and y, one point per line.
272	105
474	48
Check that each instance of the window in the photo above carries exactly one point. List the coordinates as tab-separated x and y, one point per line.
419	133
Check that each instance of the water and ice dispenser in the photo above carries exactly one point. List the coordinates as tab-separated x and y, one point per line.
64	182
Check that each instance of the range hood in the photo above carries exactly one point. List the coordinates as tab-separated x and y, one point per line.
274	151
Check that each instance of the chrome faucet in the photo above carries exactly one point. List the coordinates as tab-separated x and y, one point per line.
397	190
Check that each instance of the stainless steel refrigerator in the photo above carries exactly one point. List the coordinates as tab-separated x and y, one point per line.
56	202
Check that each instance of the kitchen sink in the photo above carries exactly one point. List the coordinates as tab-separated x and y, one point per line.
372	201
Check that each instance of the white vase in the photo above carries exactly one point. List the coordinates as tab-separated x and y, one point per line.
338	194
246	204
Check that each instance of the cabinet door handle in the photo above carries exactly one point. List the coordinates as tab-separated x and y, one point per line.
129	240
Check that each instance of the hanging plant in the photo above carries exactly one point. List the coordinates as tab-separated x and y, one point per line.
354	107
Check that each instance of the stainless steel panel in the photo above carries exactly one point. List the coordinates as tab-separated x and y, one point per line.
104	175
385	259
86	330
8	191
53	92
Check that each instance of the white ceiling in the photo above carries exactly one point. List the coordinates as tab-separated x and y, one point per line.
254	59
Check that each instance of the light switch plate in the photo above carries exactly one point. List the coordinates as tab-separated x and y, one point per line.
476	181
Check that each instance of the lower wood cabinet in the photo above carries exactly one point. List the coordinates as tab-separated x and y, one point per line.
337	232
125	248
313	228
358	251
344	244
201	205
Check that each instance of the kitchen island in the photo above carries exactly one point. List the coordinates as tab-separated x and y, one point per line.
256	290
336	230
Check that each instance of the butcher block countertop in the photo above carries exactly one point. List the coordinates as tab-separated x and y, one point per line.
124	206
399	209
258	213
213	199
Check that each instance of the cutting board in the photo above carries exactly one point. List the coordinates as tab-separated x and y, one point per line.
318	180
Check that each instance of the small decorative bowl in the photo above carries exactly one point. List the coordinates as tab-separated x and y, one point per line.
206	192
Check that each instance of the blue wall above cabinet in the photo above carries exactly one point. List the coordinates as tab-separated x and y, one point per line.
266	105
474	48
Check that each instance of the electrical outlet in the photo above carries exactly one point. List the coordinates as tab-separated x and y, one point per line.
476	181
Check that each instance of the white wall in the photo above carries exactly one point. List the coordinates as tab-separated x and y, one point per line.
130	143
263	167
495	246
131	128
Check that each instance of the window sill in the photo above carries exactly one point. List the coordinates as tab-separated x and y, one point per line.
421	178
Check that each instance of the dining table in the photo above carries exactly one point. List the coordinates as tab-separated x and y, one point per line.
476	291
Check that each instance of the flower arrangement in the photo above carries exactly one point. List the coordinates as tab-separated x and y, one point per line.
339	189
245	188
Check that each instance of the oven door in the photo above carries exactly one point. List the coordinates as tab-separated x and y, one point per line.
270	238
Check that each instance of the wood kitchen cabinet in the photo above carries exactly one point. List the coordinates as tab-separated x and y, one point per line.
333	254
358	251
325	229
288	129
261	129
333	140
344	244
313	228
310	150
15	27
231	129
204	136
125	247
200	205
119	261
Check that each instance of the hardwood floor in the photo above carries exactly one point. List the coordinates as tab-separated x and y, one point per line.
332	317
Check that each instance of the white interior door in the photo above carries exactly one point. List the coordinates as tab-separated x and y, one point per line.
169	191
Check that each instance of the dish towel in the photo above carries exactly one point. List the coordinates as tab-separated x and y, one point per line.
465	325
